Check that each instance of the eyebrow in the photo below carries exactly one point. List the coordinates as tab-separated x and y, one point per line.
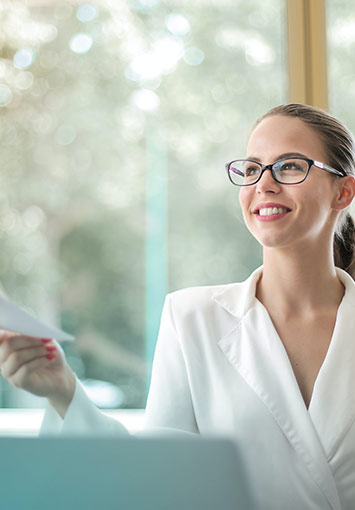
281	156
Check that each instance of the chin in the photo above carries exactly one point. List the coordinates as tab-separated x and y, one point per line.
272	241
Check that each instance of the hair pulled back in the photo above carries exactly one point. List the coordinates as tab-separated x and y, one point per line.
340	150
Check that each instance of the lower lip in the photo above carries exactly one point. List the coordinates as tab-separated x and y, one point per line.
271	217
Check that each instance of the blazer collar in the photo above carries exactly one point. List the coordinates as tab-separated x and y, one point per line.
332	407
257	354
238	298
254	349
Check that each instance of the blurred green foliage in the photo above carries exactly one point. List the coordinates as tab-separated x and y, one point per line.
85	89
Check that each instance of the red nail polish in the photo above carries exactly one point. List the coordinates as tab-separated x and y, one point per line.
52	355
51	347
44	340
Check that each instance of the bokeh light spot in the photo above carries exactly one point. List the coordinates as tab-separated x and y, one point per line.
163	59
194	56
5	95
86	13
33	216
24	80
257	52
146	100
146	4
81	43
23	58
177	24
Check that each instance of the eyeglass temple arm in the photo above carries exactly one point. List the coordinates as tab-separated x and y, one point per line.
323	166
234	170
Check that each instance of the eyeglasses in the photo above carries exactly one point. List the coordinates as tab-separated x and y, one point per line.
246	172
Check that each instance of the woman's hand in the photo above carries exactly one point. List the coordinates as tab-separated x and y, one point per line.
37	365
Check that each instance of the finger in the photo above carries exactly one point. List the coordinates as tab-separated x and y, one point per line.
17	342
21	340
22	377
20	357
6	334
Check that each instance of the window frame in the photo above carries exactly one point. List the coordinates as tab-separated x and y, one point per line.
307	52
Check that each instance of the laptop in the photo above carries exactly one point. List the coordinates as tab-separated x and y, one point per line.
180	473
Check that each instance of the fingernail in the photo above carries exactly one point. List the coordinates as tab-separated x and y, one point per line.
52	355
44	340
51	347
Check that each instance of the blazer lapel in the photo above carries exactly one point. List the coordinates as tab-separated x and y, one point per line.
332	407
257	353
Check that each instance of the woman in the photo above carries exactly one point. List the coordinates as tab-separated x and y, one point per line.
268	361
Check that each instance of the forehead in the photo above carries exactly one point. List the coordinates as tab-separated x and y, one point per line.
280	134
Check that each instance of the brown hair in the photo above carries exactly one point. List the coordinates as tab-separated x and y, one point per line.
340	149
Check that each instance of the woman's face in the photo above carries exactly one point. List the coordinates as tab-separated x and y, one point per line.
310	214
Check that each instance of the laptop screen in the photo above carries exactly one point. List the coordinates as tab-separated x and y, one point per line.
123	473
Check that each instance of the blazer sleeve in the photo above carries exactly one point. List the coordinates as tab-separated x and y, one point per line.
169	402
82	418
169	406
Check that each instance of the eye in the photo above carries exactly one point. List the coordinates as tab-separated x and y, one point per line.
251	170
291	166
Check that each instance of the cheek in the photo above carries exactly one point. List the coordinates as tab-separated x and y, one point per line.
317	200
244	198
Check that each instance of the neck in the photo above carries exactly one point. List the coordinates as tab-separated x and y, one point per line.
299	283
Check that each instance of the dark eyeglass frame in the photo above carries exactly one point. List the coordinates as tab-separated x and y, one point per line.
311	162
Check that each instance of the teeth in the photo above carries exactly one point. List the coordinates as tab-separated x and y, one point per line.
268	211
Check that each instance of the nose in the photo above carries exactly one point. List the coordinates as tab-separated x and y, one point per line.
267	183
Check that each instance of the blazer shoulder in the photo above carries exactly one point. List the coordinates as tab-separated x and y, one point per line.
236	298
198	293
201	297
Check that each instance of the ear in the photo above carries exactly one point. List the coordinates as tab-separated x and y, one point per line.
345	193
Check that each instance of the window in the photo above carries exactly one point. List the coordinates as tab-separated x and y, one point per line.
341	44
116	120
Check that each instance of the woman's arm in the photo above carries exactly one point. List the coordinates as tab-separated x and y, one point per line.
24	363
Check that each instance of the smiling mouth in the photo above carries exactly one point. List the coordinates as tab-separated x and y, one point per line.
271	211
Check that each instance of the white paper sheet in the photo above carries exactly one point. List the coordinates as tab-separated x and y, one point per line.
12	318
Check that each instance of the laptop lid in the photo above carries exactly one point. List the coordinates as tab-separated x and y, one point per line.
121	473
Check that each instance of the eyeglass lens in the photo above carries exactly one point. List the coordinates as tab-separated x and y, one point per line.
287	171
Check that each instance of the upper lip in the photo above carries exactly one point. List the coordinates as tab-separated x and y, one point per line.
265	205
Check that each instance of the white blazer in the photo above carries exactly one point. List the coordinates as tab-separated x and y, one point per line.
221	368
